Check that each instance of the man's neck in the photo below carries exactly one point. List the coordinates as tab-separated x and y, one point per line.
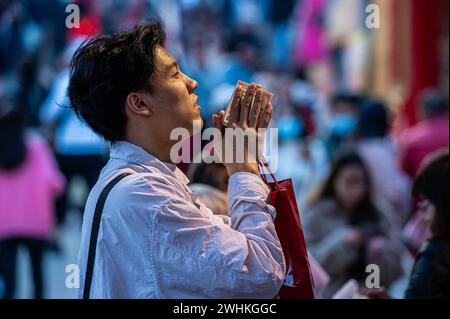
158	148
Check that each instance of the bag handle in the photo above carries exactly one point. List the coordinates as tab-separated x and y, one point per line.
94	233
262	164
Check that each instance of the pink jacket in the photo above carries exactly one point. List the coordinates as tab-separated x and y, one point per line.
27	194
419	141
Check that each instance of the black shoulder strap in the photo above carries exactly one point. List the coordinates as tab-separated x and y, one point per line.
94	233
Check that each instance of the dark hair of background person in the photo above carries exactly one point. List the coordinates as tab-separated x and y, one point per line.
343	97
106	68
432	183
209	174
365	211
433	103
373	120
13	149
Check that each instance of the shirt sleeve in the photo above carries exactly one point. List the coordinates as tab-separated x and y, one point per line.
194	254
244	258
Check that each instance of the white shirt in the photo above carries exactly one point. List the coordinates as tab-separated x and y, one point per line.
157	240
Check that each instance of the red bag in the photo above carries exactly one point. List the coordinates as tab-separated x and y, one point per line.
298	283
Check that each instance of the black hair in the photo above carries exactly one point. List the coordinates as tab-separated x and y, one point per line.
365	211
432	183
373	120
433	103
206	173
343	97
242	38
105	69
12	135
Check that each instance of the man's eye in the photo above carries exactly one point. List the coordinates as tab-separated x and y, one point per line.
176	74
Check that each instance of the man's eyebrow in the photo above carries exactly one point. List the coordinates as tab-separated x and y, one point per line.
171	66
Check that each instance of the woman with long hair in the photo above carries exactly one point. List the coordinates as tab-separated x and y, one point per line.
344	229
429	277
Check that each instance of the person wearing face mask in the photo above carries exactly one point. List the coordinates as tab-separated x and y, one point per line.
343	122
345	231
429	276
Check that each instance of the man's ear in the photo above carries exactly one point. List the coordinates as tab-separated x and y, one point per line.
137	103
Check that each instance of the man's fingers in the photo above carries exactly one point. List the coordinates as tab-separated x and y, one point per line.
267	116
235	106
221	116
246	104
215	120
217	123
255	109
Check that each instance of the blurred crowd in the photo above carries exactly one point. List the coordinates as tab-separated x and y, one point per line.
353	173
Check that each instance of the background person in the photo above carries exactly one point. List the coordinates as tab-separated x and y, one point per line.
26	208
345	231
427	136
429	276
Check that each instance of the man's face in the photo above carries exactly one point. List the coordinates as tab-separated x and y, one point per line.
173	98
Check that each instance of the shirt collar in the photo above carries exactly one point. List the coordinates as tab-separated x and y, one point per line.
136	154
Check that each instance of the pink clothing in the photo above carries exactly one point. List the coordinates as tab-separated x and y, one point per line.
421	140
27	193
310	46
320	276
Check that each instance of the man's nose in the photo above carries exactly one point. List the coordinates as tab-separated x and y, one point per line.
191	84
